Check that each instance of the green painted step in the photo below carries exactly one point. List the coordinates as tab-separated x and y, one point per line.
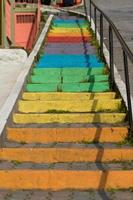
47	71
84	78
67	78
44	78
51	87
86	87
80	26
69	87
84	71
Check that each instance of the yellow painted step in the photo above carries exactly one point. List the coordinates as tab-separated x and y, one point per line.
49	135
69	106
66	179
70	30
55	155
54	96
110	118
77	34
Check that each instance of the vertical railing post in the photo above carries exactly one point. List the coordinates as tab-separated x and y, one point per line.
95	21
111	57
130	116
101	35
90	13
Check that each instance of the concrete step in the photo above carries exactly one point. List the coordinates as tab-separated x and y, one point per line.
85	34
61	29
82	45
66	61
60	96
75	154
64	179
49	135
67	79
68	87
69	71
70	25
72	20
61	50
106	105
109	118
69	39
70	30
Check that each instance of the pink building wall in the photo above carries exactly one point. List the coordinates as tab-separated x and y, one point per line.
25	29
8	19
26	24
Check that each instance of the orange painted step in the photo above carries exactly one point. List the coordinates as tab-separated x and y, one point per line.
55	155
63	179
48	135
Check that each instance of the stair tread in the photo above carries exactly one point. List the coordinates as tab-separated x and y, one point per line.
64	179
66	96
11	165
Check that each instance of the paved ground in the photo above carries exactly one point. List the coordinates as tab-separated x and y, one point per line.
121	13
11	65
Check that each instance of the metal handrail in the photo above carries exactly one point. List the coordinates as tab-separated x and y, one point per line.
127	54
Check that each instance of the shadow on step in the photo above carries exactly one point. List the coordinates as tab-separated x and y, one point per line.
100	166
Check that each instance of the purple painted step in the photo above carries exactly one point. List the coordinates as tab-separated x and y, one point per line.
68	50
78	45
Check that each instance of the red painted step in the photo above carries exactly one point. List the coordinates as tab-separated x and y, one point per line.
68	39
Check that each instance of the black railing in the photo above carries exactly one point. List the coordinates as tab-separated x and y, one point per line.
127	54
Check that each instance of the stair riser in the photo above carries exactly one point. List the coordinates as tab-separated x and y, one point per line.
70	30
55	155
67	79
58	180
69	71
71	46
60	96
69	106
75	87
110	118
47	135
69	40
67	34
68	51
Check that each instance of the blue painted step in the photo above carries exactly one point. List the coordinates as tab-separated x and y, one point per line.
61	61
69	21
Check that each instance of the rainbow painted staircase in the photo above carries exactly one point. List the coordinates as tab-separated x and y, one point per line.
68	123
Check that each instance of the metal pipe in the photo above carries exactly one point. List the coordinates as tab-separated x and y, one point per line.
125	61
111	57
95	21
101	35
